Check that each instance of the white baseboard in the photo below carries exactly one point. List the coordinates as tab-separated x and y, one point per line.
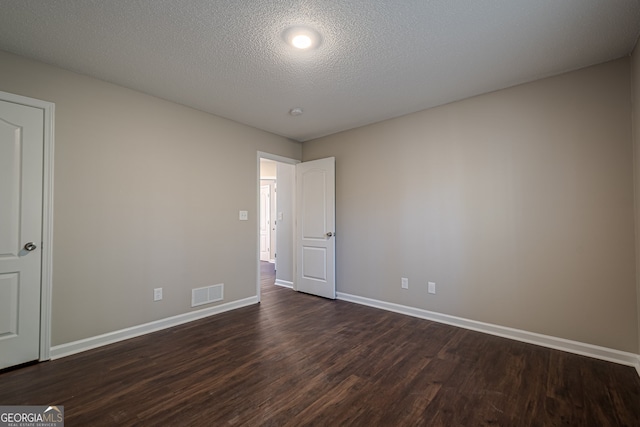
284	283
590	350
74	347
597	352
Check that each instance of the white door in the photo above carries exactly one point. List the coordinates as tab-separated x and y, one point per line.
315	232
21	160
265	220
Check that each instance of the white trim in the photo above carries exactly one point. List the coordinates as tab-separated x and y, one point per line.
284	283
584	349
47	215
47	232
75	347
276	158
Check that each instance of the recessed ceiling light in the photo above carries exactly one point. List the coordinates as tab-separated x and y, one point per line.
301	41
302	37
296	111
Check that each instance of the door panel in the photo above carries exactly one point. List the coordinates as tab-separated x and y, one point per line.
10	173
9	304
21	162
315	241
314	263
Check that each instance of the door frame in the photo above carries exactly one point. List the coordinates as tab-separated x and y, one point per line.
276	158
46	279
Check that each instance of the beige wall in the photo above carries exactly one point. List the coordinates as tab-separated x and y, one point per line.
146	195
635	101
517	203
268	169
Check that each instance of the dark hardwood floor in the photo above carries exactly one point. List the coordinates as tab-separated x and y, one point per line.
299	360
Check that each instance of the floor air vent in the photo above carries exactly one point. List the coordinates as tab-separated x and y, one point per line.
207	294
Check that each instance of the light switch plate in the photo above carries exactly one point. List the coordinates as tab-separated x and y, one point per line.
244	215
431	287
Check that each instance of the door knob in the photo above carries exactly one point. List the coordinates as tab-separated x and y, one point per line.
30	247
329	234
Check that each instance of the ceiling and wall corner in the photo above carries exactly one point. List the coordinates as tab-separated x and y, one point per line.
376	59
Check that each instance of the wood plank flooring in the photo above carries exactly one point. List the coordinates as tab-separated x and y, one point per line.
296	360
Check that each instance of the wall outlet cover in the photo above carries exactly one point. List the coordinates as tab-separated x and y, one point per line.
432	287
405	283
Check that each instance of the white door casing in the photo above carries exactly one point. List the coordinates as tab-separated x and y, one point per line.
315	229
265	220
22	151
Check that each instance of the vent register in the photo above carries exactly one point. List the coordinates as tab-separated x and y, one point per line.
206	295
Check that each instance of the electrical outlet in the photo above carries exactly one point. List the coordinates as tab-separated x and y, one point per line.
405	283
157	294
432	287
243	215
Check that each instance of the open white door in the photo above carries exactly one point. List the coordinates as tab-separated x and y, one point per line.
315	230
21	186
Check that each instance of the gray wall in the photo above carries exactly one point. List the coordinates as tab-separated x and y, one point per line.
146	195
519	204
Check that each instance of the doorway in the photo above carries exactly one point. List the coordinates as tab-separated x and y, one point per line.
304	224
276	184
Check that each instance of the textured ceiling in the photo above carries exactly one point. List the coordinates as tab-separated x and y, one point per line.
377	58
